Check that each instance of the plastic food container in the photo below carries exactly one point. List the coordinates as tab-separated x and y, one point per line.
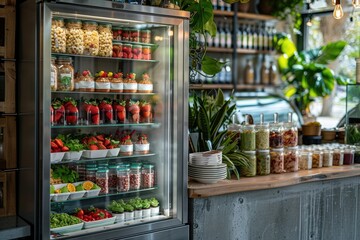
117	31
91	38
58	35
262	136
72	156
146	52
68	229
249	171
90	173
135	35
112	182
137	52
276	135
349	156
338	157
291	159
305	161
327	158
145	36
125	34
148	176
135	176
127	51
77	195
99	223
290	135
113	152
317	158
102	179
105	40
123	178
263	162
277	160
56	157
95	153
65	74
117	50
74	37
248	138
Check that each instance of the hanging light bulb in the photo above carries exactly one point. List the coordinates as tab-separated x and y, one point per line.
309	21
356	3
333	2
338	11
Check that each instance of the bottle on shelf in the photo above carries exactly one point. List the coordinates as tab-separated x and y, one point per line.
255	38
244	37
266	39
228	35
214	3
239	37
264	73
250	38
222	73
228	76
209	40
249	73
271	39
222	35
216	39
261	38
221	5
228	7
273	77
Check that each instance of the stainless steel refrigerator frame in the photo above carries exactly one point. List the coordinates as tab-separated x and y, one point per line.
34	114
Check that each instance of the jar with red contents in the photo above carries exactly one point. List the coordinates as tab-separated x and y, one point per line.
125	34
290	135
113	178
146	52
102	179
117	50
90	173
127	51
137	52
135	35
148	176
135	176
145	36
117	33
123	179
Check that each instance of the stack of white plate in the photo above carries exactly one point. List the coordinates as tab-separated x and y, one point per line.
206	158
207	173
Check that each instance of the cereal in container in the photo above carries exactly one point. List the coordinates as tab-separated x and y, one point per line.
290	134
135	176
74	37
58	35
148	176
145	36
317	158
123	178
145	85
262	134
105	40
327	157
102	179
250	170
54	75
305	161
338	157
291	159
263	162
65	79
91	38
277	160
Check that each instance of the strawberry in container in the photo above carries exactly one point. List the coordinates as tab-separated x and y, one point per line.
106	111
92	113
137	52
57	145
133	112
59	111
117	50
127	51
71	111
126	145
142	145
145	112
119	111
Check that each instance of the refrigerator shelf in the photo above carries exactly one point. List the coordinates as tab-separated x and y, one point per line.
151	125
97	57
89	160
152	45
58	205
102	93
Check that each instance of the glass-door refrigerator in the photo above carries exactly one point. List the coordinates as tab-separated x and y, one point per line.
102	124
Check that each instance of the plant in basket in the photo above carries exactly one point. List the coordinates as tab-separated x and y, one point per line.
133	111
119	111
59	111
106	111
92	116
142	145
71	111
145	112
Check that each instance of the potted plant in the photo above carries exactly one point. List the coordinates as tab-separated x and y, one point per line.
137	204
155	209
146	212
117	210
306	73
129	212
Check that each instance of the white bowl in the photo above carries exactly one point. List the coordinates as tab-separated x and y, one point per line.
92	193
72	156
77	195
56	157
95	153
59	197
67	229
99	223
113	152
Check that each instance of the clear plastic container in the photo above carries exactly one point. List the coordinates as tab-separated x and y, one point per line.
127	51
74	37
145	36
113	179
338	157
248	138
277	160
123	178
317	158
90	173
125	34
148	176
305	161
249	171
105	40
327	157
290	135
58	35
65	79
54	75
263	162
234	130
102	179
117	32
91	38
349	153
135	35
146	52
135	176
291	159
137	52
117	50
262	136
276	135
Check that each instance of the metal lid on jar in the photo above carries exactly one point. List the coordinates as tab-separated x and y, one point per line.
72	20
113	166
102	170
58	18
148	166
123	169
249	152
91	165
92	169
135	166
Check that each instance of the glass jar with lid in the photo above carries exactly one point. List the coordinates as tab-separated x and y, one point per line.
290	135
113	179
338	156
305	161
137	52
148	176
123	178
263	162
317	158
291	159
146	52
234	132
276	135
262	136
327	157
65	79
125	34
54	75
105	40
247	136
349	153
277	160
58	35
135	35
145	36
117	31
127	51
250	170
102	179
135	176
74	37
91	38
90	173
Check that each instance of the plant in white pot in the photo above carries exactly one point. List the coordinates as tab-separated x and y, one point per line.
146	212
117	210
155	208
129	212
137	204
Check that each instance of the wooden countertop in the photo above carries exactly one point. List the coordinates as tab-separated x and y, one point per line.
200	190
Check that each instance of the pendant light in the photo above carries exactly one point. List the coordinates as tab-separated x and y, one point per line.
338	11
356	3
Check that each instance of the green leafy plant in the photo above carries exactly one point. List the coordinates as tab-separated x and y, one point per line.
116	207
128	207
145	204
154	202
353	134
285	8
71	142
306	73
65	174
